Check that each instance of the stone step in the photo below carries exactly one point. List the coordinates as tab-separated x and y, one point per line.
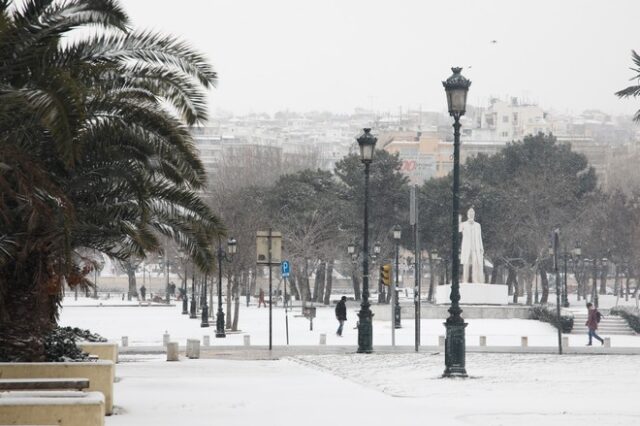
605	333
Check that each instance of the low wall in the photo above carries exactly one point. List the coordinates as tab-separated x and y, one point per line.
100	374
51	407
103	350
428	311
475	294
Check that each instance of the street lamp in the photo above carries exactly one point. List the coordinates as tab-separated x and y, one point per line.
556	247
185	299
192	306
367	143
397	318
231	250
205	308
456	88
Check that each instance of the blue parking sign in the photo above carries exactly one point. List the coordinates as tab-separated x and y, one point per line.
285	268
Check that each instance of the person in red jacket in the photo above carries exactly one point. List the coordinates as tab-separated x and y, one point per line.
592	323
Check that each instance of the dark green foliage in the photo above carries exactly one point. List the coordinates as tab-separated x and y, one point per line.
60	345
95	153
631	316
545	314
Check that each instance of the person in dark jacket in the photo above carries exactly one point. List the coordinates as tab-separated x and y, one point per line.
341	314
592	323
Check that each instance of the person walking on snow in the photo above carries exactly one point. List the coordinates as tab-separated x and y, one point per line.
341	314
592	323
261	299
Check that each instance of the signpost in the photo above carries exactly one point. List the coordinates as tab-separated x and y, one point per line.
413	220
285	269
269	253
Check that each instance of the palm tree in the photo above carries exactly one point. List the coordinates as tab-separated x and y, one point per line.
95	153
634	90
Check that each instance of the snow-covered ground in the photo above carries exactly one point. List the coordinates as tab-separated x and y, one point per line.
144	326
398	389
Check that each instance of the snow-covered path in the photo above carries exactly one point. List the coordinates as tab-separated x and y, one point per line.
381	390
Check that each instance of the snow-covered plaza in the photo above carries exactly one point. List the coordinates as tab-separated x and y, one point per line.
236	385
398	389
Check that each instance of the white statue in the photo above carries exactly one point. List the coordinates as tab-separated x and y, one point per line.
472	253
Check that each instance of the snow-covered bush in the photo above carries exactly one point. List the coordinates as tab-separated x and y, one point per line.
543	313
631	316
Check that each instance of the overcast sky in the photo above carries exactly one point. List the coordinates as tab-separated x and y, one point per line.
335	55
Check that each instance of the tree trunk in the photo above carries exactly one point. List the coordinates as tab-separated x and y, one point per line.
355	280
594	285
327	289
293	287
627	284
432	278
303	286
318	288
511	278
236	305
131	274
544	282
603	281
529	288
512	282
494	273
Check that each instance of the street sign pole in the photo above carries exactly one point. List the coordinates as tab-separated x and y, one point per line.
284	271
270	300
413	220
286	315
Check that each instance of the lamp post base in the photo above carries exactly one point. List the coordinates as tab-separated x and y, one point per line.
192	308
220	324
365	330
205	317
454	350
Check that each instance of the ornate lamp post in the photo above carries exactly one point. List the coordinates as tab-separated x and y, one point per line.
231	250
397	317
456	88
367	144
205	308
192	306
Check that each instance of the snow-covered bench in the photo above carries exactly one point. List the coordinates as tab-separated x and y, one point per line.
63	408
99	373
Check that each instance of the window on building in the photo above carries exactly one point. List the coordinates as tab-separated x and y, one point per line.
505	134
505	118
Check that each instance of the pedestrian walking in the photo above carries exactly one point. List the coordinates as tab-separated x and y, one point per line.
341	314
261	298
592	323
143	292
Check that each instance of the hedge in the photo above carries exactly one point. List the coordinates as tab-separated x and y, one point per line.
632	318
543	313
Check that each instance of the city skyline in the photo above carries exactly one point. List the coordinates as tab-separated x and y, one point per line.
337	56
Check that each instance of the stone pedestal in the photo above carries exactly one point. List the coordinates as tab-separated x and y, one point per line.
193	349
475	294
172	351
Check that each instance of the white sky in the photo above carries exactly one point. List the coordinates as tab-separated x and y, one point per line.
568	55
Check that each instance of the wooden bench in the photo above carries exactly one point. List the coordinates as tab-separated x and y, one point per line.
44	384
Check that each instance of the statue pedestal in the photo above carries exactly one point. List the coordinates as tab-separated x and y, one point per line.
475	294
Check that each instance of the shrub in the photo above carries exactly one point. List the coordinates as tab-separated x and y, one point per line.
543	313
631	316
60	344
